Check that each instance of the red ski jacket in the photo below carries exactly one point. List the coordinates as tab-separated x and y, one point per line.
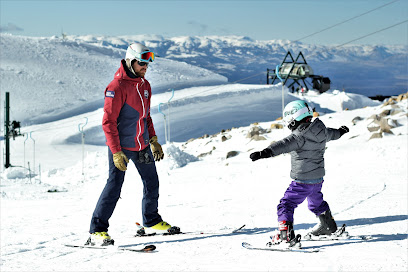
126	121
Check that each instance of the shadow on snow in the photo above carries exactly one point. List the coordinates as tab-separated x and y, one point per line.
257	231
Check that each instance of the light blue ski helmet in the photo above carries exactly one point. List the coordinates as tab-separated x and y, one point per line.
296	111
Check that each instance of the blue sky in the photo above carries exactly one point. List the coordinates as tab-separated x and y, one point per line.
257	19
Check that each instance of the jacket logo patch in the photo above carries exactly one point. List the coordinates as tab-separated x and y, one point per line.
110	94
146	94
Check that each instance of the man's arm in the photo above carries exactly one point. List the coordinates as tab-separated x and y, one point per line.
113	104
150	126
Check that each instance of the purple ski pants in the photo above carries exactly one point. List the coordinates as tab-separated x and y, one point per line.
296	194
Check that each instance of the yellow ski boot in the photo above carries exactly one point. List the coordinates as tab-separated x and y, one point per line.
162	227
99	239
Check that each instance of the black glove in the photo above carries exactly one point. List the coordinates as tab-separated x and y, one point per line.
266	153
343	130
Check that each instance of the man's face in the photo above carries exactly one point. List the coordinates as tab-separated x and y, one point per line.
140	70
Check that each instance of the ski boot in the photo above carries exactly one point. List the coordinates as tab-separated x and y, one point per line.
327	225
162	227
99	239
286	236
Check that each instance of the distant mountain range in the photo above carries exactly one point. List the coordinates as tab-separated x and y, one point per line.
363	69
50	78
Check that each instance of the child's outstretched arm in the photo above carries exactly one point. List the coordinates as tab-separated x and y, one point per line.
285	145
334	134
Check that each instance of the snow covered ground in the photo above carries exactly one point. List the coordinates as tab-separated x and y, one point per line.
366	187
201	189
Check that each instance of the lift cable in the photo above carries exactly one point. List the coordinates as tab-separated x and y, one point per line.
352	18
375	32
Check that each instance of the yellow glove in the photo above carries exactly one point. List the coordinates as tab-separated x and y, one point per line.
156	149
119	159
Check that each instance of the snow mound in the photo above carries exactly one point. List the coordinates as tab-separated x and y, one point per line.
178	158
337	101
15	173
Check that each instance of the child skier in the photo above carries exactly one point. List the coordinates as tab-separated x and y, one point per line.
306	145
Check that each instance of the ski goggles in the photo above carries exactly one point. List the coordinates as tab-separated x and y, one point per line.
142	63
147	56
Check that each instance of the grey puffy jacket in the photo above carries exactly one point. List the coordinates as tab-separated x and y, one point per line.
306	146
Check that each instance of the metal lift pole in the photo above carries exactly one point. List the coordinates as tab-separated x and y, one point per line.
6	130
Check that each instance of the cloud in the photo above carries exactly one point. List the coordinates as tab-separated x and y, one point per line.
10	28
224	31
201	28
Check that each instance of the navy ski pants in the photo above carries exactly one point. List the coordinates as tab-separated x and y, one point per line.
296	194
146	167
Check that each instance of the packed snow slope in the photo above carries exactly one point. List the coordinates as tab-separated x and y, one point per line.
209	184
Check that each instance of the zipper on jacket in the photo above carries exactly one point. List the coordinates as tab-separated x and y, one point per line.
140	119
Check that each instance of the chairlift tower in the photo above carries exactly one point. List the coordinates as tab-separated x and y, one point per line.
297	70
10	130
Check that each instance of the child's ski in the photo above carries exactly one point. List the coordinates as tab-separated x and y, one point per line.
340	234
275	248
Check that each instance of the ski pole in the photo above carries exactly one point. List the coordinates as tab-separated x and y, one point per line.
25	149
81	130
165	123
283	99
168	110
33	151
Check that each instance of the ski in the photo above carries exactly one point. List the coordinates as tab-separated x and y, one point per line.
336	238
149	248
215	232
280	249
140	232
340	234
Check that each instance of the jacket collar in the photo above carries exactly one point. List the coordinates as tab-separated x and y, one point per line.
125	74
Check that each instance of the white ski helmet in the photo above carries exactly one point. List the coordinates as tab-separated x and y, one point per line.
296	111
139	52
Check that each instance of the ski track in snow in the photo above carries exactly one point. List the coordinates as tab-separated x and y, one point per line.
362	200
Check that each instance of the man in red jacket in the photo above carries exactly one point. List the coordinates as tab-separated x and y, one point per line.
130	135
